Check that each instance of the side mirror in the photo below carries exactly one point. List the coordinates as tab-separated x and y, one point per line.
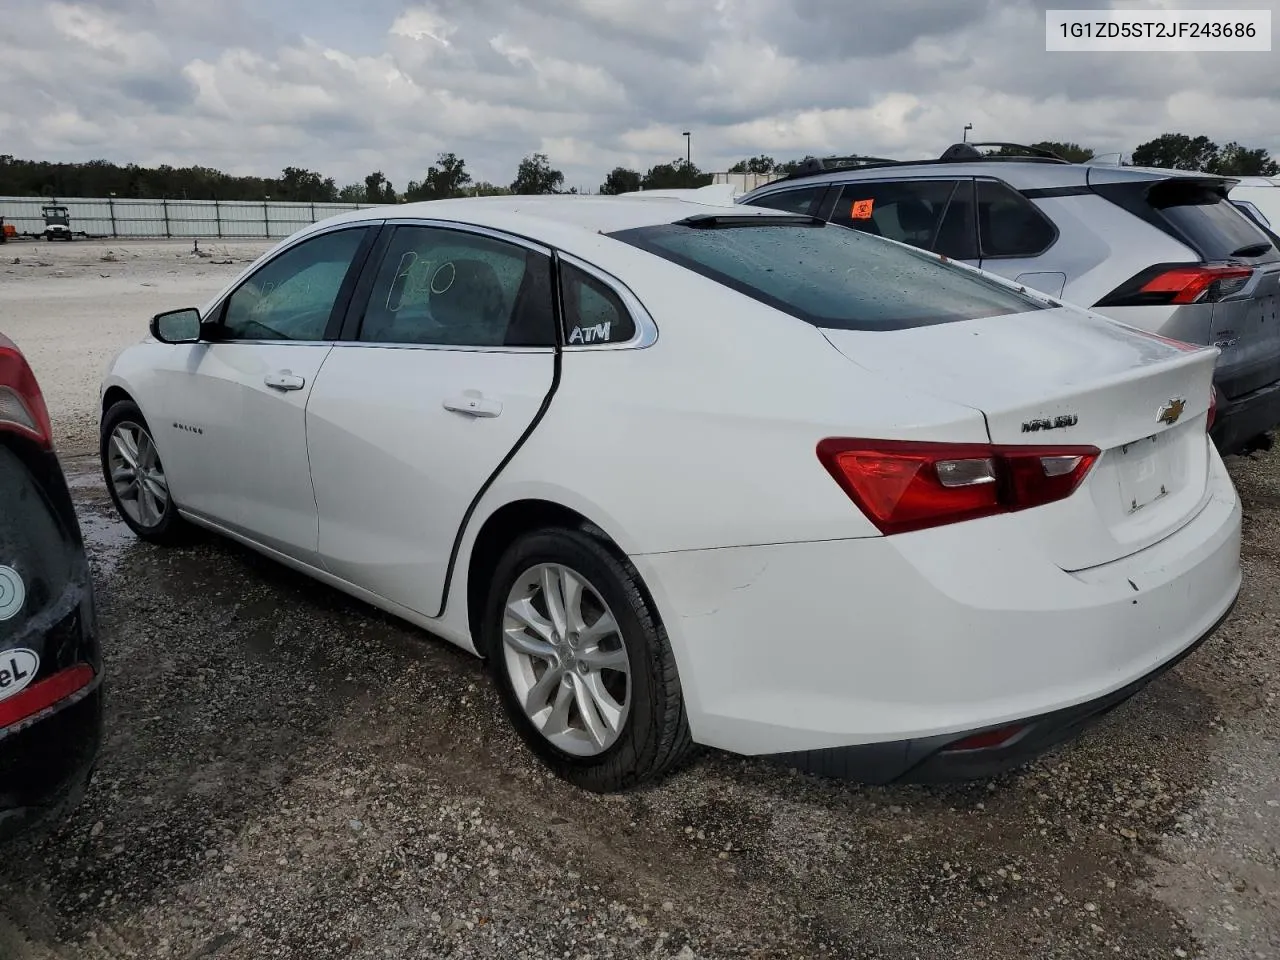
177	326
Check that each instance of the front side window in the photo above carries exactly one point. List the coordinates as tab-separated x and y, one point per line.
792	201
592	312
1009	225
293	296
934	215
829	276
452	288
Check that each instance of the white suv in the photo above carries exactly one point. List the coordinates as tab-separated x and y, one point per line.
1161	250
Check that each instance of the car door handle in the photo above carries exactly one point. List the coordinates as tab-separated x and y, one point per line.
284	380
474	405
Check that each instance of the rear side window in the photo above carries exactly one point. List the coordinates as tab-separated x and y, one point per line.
592	312
1212	225
831	277
1010	225
792	201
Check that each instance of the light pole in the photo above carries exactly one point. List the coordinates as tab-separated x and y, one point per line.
967	128
688	148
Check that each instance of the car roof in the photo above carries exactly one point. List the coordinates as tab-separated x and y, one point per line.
1020	174
557	214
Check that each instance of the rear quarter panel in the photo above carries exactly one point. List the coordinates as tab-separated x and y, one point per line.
707	438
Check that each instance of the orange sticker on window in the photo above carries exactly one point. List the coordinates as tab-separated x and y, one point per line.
862	209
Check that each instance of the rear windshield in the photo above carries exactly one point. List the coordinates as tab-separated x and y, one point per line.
1214	227
831	276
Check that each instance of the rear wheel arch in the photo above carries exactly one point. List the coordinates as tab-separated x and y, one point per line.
502	528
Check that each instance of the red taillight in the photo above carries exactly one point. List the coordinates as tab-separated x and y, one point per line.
1190	284
1179	283
1213	408
44	694
906	485
22	407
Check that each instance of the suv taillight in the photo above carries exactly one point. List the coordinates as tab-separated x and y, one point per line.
1169	284
906	485
22	407
1213	408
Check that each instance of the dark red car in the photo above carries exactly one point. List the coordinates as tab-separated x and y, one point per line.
50	660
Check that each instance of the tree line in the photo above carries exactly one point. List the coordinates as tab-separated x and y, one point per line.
449	177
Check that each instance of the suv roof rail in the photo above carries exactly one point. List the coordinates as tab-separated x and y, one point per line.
824	164
968	152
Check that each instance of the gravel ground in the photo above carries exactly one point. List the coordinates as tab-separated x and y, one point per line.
289	773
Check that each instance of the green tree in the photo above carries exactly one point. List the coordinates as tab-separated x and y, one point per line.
677	175
1176	151
1066	150
536	176
378	189
352	193
305	185
1234	160
621	180
760	164
446	178
486	189
791	166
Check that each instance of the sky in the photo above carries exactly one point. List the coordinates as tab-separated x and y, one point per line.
346	87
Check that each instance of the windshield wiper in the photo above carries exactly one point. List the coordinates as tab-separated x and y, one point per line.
1252	249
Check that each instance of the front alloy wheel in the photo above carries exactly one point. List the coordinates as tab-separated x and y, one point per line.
135	476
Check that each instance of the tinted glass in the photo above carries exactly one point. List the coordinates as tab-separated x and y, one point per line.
447	287
792	201
592	312
907	211
1009	225
291	297
1215	228
832	277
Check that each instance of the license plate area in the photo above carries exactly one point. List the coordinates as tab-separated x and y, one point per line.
1145	471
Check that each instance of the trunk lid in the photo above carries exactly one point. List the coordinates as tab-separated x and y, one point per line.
1066	377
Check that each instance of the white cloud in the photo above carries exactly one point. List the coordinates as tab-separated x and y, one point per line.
592	83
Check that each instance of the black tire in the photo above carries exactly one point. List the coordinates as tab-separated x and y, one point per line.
655	735
171	528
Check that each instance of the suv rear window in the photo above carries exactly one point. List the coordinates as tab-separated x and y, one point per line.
830	276
1212	225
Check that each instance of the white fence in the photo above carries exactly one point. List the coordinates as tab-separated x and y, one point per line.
112	217
746	181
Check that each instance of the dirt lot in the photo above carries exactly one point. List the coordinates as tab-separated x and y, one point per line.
289	773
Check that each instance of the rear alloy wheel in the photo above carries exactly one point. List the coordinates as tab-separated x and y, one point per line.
585	671
135	476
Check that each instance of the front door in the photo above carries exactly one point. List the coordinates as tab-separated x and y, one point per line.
235	406
454	358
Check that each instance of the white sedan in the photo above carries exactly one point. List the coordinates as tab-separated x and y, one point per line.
690	474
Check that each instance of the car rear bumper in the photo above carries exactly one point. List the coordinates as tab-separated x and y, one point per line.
937	759
45	766
1241	419
929	636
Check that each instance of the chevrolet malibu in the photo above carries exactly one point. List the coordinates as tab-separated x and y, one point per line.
688	474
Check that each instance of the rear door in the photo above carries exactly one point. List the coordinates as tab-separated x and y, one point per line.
447	359
935	213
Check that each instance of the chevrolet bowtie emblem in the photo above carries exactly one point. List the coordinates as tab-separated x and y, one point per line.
1171	411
